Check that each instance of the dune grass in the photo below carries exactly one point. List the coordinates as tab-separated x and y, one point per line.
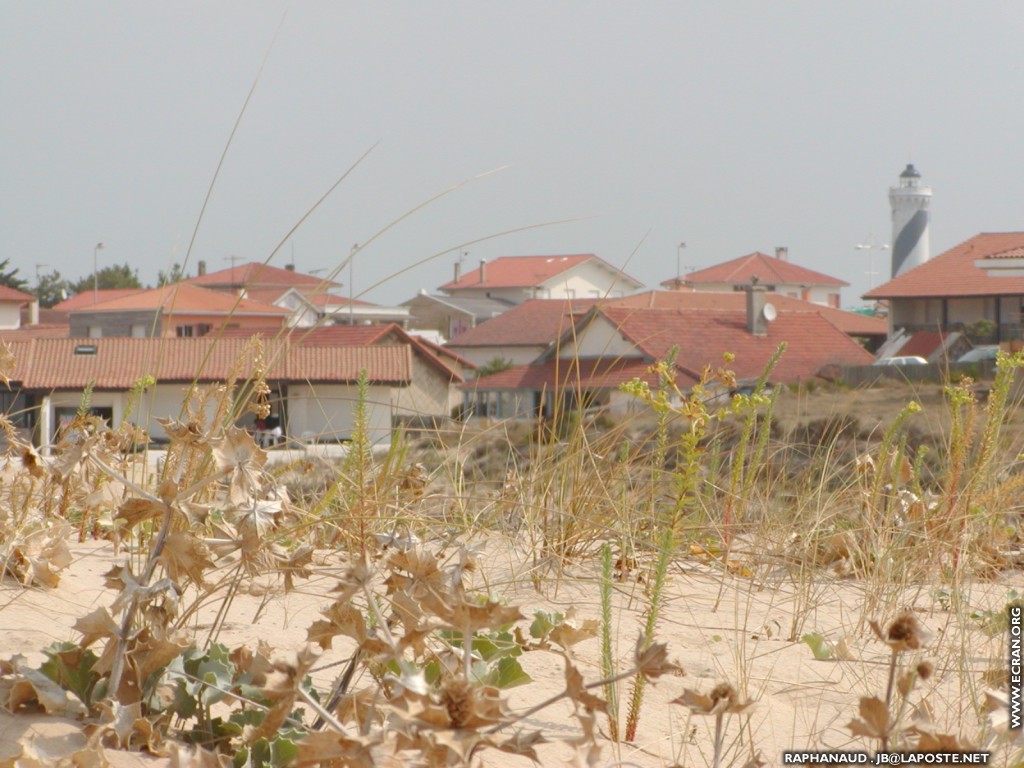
436	640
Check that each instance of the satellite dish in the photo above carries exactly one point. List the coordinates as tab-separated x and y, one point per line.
769	312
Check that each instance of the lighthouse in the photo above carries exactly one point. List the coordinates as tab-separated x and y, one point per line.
909	202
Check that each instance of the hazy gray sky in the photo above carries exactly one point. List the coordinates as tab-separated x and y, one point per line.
732	126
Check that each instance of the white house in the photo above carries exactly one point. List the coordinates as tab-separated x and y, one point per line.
776	273
518	278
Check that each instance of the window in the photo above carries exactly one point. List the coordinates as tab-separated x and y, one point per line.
95	332
139	331
184	331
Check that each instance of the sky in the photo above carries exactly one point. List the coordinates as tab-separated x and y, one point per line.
499	129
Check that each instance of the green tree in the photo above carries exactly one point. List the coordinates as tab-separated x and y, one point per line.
10	277
176	274
117	276
52	289
495	365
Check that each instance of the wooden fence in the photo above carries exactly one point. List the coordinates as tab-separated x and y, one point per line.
932	373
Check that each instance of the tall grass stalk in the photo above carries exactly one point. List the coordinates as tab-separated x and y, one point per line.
655	598
608	670
742	476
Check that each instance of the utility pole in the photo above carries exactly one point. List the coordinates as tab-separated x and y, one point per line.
95	274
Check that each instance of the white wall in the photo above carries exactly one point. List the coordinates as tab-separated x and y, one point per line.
598	339
819	294
327	411
483	355
10	315
586	281
73	399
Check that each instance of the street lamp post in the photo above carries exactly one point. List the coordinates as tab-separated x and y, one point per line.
351	285
679	261
95	274
871	248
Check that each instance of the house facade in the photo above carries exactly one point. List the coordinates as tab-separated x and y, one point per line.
313	389
613	344
177	310
776	273
451	316
961	289
515	279
11	302
522	334
436	371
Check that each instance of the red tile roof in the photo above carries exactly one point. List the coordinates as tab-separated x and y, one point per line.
539	322
767	269
851	323
528	271
86	298
12	294
185	299
534	322
703	336
355	335
38	331
1013	253
117	363
257	275
588	373
317	298
326	335
922	344
953	273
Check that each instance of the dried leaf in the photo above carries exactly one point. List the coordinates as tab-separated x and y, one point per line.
134	511
150	652
190	433
469	616
327	748
523	743
904	634
186	555
237	451
30	686
342	619
124	727
576	690
652	662
95	626
7	364
256	520
567	634
874	719
722	698
296	564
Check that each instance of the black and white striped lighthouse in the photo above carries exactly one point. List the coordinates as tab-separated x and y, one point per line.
909	202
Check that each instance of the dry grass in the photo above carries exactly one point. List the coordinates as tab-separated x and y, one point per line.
446	604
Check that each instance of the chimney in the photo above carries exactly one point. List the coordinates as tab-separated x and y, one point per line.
201	267
290	267
782	253
458	270
33	312
756	322
483	270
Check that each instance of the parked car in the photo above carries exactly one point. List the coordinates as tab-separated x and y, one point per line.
901	360
979	354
